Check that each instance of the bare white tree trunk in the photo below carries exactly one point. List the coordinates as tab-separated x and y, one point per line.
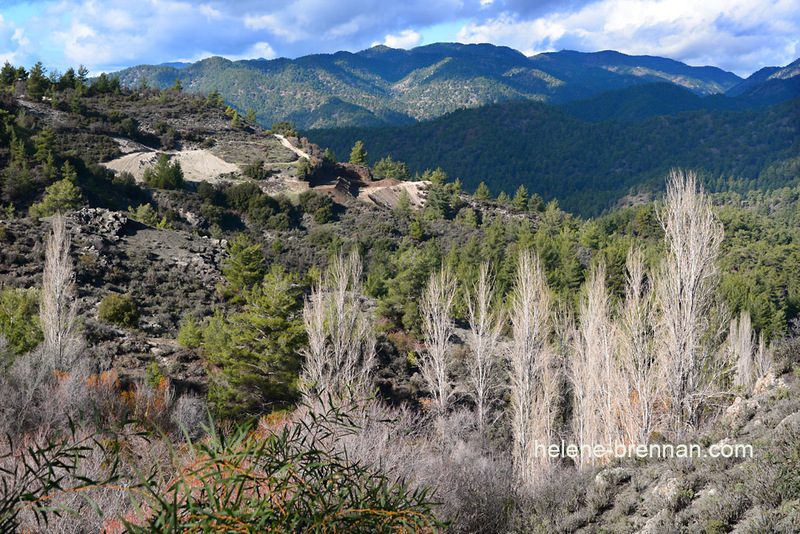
437	325
534	380
638	352
742	350
62	342
485	328
341	351
685	290
763	359
596	378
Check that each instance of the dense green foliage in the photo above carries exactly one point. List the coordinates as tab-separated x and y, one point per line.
120	310
164	175
589	167
19	322
358	156
389	168
245	266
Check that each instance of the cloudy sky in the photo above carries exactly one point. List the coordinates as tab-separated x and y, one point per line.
105	35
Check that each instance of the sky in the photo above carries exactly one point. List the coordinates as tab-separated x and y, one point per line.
740	36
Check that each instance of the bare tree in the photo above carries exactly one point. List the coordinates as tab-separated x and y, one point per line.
763	357
742	350
534	380
637	351
437	325
341	351
595	373
485	328
685	289
62	342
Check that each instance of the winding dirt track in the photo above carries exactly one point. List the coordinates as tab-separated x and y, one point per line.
291	147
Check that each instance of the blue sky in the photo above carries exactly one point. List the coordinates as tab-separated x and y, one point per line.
737	35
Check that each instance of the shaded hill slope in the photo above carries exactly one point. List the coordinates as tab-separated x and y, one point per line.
587	167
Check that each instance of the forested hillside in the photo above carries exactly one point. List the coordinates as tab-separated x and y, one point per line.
382	86
261	350
589	167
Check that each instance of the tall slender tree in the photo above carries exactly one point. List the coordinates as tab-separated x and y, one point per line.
341	353
594	370
686	284
437	325
485	329
62	341
742	349
534	377
637	351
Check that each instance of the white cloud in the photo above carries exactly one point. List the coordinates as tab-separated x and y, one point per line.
12	41
261	50
738	35
405	39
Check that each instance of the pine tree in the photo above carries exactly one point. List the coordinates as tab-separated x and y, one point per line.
245	267
482	192
37	82
358	156
62	196
520	200
257	353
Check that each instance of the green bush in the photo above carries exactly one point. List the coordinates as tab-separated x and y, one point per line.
389	168
164	175
120	310
256	170
19	319
190	334
305	169
323	215
311	201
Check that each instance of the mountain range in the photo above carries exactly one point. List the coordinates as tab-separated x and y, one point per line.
385	86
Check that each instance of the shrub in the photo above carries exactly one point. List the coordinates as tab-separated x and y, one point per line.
256	170
389	168
311	201
36	471
120	310
323	215
305	169
19	319
190	334
190	416
238	196
285	128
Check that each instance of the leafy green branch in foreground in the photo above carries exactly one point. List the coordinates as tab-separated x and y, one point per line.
283	477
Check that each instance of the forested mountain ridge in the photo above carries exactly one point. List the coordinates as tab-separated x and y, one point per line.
589	167
381	85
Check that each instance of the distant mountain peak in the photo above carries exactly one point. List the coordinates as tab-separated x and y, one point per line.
384	86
